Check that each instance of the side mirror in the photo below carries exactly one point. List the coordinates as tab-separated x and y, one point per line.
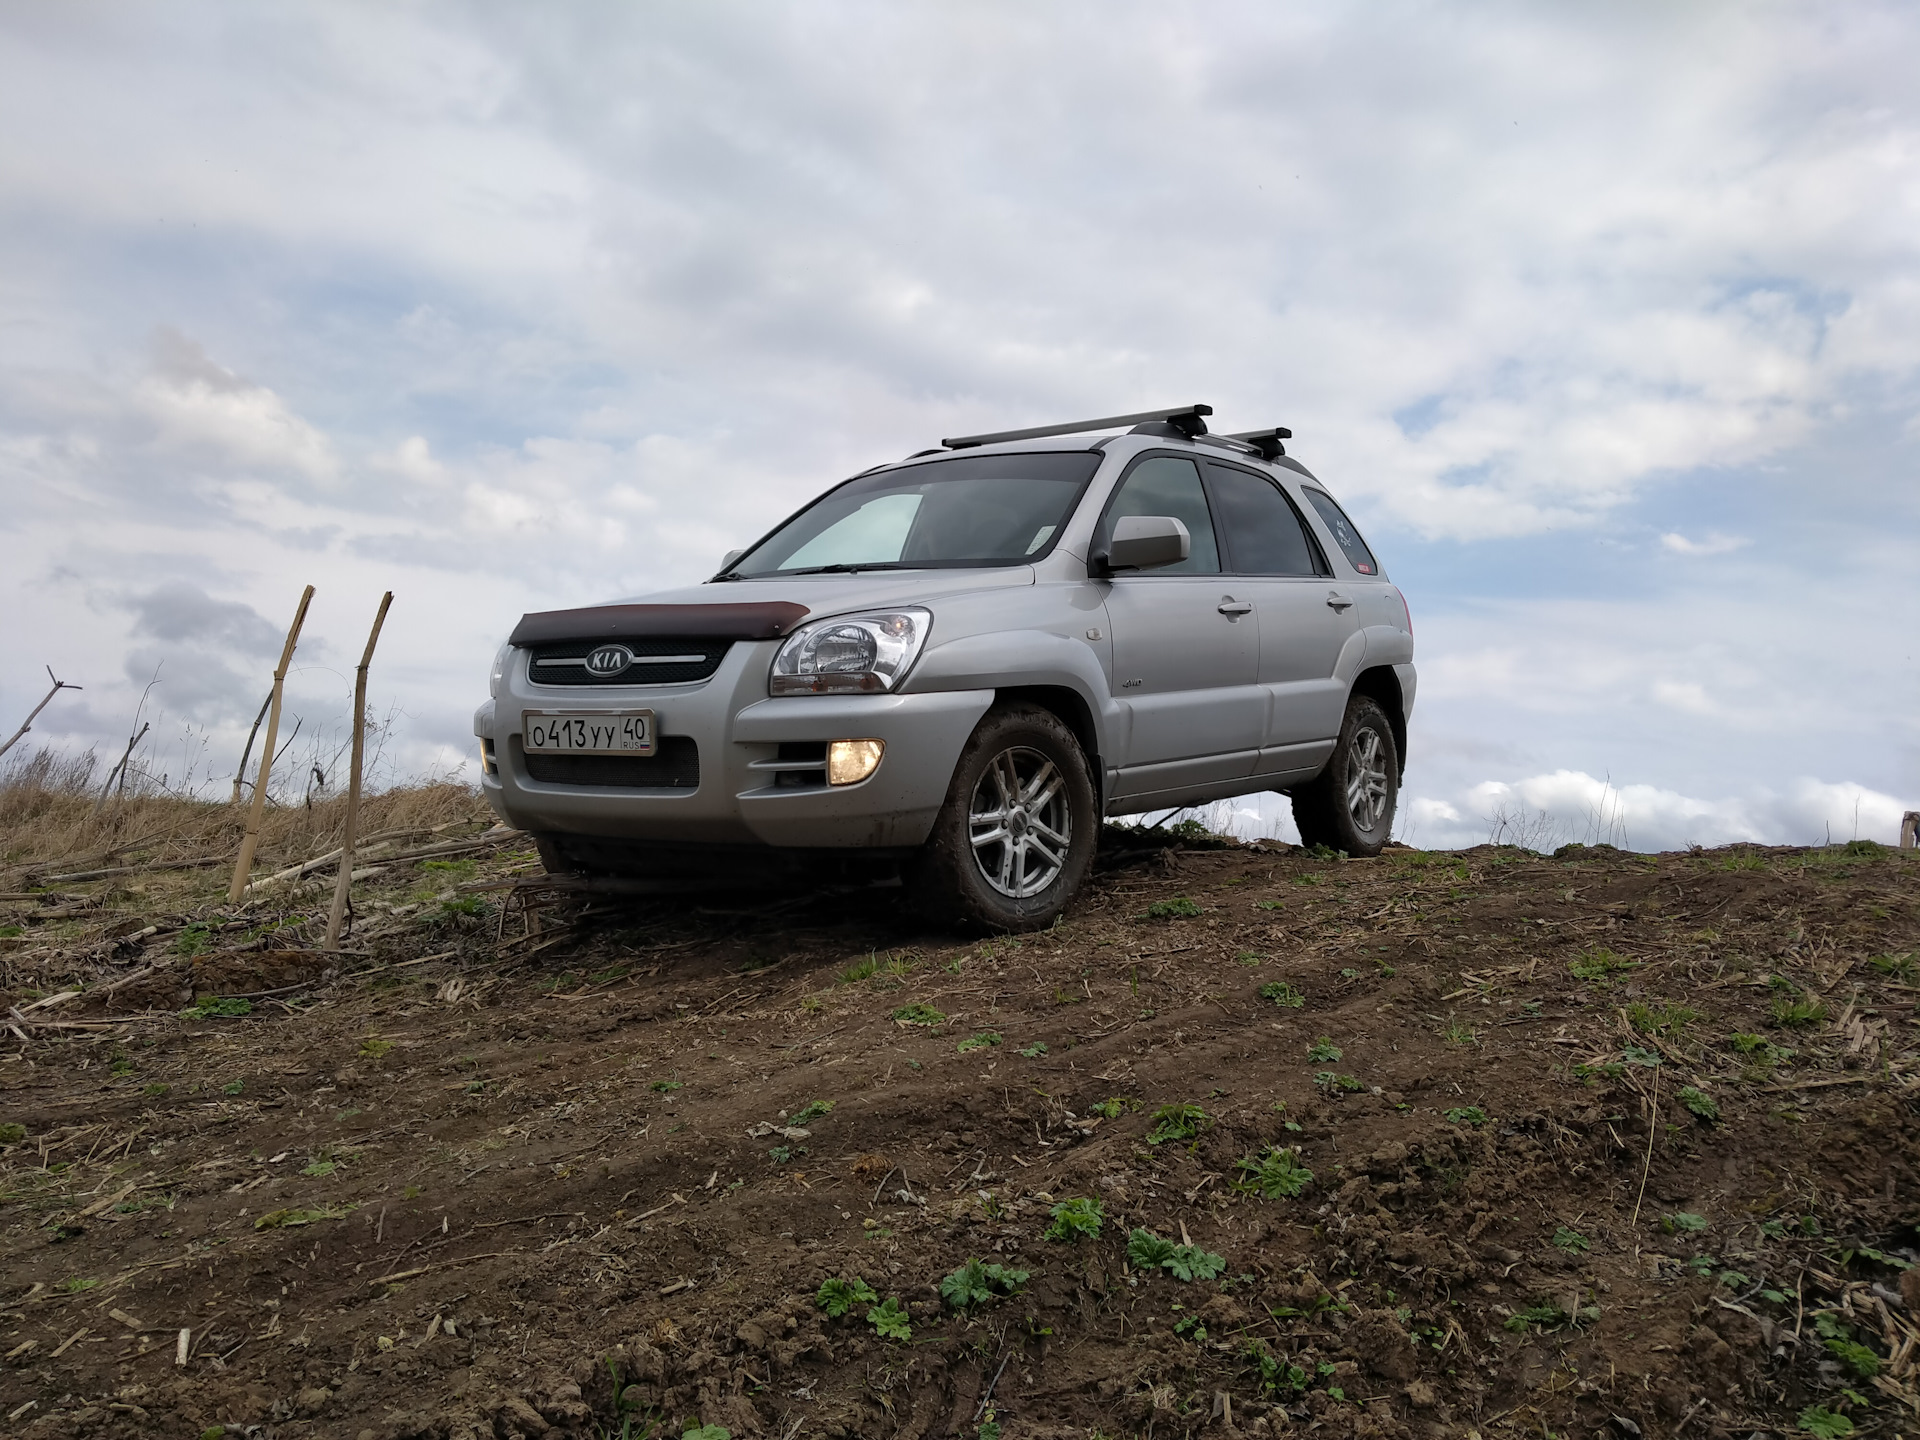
1144	542
726	561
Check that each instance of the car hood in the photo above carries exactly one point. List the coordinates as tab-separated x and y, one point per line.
842	594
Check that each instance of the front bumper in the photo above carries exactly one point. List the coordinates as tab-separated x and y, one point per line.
740	796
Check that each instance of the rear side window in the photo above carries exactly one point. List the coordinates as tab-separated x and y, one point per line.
1169	485
1265	534
1344	535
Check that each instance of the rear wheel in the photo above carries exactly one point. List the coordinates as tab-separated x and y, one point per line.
1016	836
1350	805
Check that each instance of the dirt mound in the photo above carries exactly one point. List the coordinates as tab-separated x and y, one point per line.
1424	1145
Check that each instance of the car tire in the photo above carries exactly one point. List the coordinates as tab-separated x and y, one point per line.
1350	804
1010	866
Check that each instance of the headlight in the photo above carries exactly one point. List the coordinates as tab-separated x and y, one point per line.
856	654
499	669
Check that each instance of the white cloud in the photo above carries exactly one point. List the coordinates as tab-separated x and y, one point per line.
1713	543
1550	809
198	406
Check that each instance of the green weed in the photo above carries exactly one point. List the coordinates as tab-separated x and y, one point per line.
811	1111
1839	1342
1178	908
1112	1109
1337	1084
1703	1105
1033	1051
1149	1251
889	1320
667	1087
1323	1050
1273	1376
1796	1011
1467	1115
1177	1122
1661	1017
976	1283
985	1040
838	1296
1276	1173
1076	1219
283	1219
918	1015
860	970
1549	1315
1683	1221
1598	964
217	1006
193	939
1282	994
1458	1032
1824	1424
1903	968
1571	1241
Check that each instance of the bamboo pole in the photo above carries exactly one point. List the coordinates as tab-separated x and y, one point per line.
243	863
339	915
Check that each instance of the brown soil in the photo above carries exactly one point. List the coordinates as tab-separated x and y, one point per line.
458	1181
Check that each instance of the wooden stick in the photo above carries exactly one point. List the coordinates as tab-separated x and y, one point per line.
58	686
244	862
240	775
339	915
120	769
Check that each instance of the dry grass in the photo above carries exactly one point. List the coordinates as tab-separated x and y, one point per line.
52	819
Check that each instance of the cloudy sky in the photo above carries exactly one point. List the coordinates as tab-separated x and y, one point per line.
1604	319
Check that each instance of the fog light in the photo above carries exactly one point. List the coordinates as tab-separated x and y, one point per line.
851	761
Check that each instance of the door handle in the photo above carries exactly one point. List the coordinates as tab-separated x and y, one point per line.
1337	600
1233	609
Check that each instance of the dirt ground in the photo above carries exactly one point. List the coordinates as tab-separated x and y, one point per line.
1439	1144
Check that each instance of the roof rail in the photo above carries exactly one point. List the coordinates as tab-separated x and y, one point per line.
1185	418
1267	441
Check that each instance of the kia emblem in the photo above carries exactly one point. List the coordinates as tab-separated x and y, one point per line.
609	660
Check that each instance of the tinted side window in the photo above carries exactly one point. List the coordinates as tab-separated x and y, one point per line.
1344	535
1265	535
1168	485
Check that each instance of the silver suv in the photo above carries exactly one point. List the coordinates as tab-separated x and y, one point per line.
950	668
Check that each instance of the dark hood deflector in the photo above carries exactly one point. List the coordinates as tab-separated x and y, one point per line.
768	620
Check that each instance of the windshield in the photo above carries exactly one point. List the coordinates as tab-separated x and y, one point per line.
970	510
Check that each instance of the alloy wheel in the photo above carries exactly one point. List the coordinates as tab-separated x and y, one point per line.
1367	797
1020	822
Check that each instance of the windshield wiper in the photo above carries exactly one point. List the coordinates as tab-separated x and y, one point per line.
842	568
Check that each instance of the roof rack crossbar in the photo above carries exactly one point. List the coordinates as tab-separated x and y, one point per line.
1185	417
1267	441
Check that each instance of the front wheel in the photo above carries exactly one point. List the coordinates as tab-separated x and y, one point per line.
1016	836
1349	805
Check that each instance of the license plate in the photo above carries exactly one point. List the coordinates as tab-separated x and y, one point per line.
588	732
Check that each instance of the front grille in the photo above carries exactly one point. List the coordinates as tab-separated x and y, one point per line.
674	765
656	661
